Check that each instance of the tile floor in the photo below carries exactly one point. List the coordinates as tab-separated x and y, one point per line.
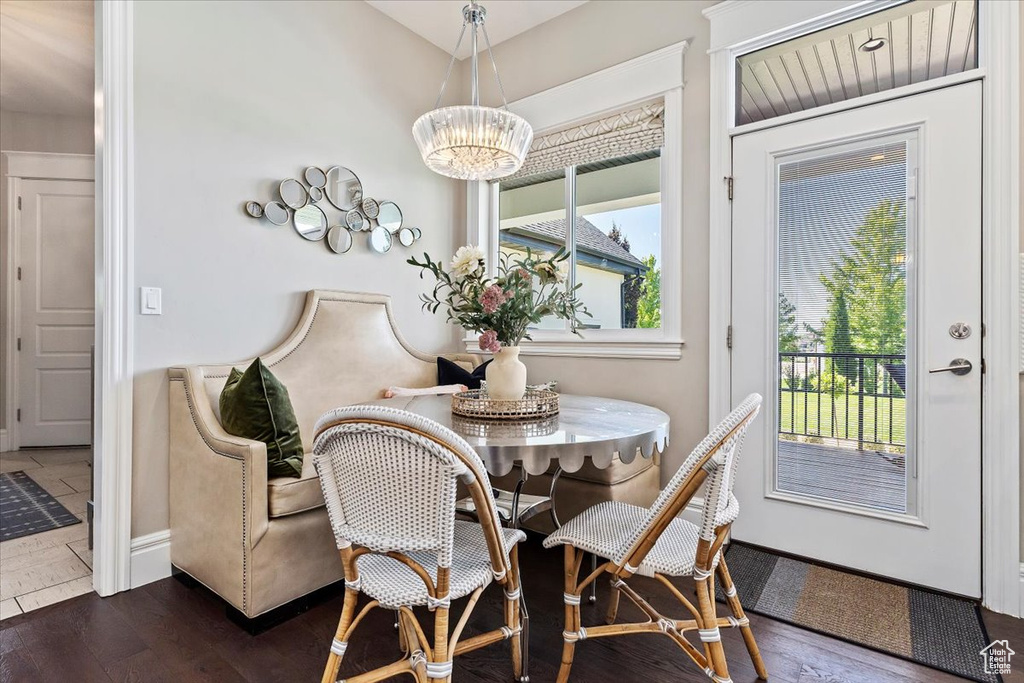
42	569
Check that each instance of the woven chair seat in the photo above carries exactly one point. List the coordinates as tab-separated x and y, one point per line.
395	585
605	529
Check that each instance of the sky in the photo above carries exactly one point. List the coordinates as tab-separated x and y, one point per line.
641	224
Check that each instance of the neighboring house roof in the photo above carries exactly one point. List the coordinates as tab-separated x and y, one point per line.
589	240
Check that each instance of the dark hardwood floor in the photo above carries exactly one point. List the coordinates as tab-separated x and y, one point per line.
168	632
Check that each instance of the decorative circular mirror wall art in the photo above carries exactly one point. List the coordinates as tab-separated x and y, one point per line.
337	190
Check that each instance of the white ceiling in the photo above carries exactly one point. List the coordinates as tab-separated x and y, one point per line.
46	56
440	21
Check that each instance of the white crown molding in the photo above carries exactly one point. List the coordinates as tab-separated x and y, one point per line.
151	558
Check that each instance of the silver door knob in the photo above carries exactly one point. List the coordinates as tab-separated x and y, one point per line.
958	366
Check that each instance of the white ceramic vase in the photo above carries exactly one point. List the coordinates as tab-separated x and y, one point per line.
506	375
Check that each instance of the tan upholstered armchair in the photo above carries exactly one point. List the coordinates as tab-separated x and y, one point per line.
256	543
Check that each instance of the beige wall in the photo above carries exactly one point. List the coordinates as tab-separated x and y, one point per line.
230	98
592	37
32	132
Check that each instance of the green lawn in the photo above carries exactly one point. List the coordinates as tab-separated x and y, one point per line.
815	421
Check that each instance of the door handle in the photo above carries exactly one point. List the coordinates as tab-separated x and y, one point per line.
958	366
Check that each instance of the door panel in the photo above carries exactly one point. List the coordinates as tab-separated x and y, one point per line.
856	247
57	253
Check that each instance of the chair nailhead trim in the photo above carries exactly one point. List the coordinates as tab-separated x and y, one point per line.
434	603
338	647
439	669
570	599
353	584
574	636
513	595
731	591
710	635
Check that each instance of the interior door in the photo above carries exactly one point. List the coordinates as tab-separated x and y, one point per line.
56	301
857	314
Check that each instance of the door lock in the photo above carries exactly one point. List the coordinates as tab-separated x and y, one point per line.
959	330
958	366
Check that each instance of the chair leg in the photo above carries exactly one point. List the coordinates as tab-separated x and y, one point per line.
709	615
513	619
572	615
613	605
737	611
338	645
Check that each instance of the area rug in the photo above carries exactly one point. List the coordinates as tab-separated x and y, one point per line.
25	508
936	630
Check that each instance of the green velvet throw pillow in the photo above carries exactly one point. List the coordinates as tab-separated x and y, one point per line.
255	405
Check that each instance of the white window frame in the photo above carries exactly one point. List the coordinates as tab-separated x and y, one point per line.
658	74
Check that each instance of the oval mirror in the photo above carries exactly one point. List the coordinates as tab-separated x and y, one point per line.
315	194
370	207
315	176
380	240
417	233
310	222
354	220
339	239
389	216
406	237
276	213
293	193
254	209
343	188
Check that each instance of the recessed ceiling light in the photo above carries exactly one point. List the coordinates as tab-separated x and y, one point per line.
872	44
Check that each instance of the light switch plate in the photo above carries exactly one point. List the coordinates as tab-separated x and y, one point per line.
150	301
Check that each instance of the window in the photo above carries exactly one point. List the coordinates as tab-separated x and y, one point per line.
616	239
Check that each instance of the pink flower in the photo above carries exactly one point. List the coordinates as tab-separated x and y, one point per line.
489	341
492	298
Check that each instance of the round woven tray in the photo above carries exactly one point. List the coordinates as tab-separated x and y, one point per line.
534	405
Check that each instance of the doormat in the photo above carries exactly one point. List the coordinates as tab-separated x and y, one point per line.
939	631
26	509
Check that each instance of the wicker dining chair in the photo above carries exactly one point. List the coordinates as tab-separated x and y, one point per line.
655	543
389	479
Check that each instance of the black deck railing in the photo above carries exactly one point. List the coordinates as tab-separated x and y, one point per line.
850	396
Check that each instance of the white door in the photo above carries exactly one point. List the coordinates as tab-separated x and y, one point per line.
55	314
857	275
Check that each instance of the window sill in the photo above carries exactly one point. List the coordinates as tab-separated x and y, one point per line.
591	348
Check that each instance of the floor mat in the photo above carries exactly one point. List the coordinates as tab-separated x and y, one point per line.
26	509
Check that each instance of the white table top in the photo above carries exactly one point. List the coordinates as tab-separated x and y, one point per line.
586	426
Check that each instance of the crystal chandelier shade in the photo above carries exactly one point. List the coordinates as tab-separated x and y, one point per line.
471	142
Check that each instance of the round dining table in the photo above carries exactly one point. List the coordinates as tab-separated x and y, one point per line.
585	427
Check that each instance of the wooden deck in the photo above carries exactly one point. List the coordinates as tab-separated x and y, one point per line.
846	475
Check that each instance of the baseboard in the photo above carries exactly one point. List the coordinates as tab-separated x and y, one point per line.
5	444
151	558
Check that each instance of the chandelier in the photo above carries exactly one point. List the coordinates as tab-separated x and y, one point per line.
471	142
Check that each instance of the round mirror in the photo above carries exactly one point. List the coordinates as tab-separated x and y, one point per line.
380	240
315	177
389	216
417	233
276	213
315	194
343	188
293	194
406	237
254	209
310	222
371	208
354	220
339	239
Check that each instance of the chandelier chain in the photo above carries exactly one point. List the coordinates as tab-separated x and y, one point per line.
494	65
448	73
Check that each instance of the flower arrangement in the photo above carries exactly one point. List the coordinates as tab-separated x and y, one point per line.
501	309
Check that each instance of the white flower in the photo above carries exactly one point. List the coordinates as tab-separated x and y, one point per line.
467	260
549	272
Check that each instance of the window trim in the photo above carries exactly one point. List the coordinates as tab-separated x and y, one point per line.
657	74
